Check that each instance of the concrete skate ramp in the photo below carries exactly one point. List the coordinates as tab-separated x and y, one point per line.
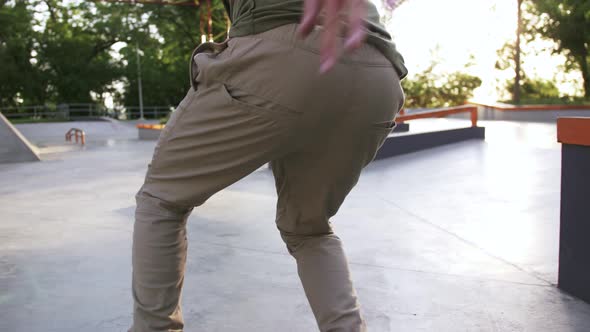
14	147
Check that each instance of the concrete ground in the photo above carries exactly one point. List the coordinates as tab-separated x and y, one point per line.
458	238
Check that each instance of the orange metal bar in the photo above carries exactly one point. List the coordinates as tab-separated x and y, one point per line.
474	117
534	107
151	126
440	114
400	114
81	136
574	131
78	134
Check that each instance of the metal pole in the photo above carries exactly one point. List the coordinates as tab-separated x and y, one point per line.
139	83
517	52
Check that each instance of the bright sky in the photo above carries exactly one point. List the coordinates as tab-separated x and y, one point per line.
450	31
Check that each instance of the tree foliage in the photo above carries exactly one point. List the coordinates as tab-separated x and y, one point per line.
536	89
567	22
532	89
165	59
78	52
429	89
16	44
73	50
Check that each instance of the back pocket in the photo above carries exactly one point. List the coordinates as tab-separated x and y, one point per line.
257	104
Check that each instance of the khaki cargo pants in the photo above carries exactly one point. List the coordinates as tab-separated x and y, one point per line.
254	100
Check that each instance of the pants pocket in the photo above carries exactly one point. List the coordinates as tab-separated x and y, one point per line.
387	125
256	104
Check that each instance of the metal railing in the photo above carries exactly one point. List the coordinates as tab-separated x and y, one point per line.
508	107
83	111
151	112
439	113
35	112
79	134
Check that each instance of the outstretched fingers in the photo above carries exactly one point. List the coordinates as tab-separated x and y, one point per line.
311	11
357	31
330	49
335	15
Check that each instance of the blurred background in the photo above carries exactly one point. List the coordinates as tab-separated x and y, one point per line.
125	58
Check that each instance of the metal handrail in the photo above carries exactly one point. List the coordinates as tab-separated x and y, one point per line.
78	133
508	107
439	113
81	111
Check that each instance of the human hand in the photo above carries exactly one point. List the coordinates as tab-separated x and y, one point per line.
354	12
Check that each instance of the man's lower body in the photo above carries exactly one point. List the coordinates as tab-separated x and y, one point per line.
262	100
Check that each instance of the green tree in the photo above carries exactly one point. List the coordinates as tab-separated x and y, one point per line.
165	54
17	73
531	90
62	52
536	89
429	89
74	50
567	22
